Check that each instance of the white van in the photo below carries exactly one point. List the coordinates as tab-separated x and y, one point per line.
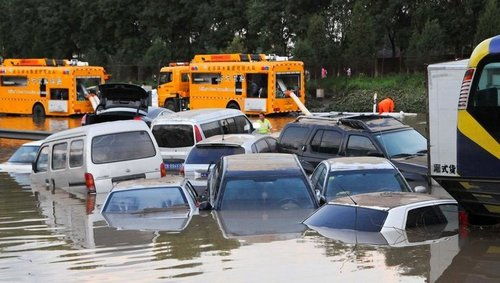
177	133
92	158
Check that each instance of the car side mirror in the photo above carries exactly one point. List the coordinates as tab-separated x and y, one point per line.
321	199
420	189
205	205
33	167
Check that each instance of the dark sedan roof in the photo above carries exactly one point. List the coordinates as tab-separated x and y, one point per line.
262	162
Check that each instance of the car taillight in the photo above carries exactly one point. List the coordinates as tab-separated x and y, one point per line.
138	118
89	182
181	170
465	89
197	134
90	205
163	170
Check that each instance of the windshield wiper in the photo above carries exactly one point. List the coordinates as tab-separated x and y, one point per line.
402	155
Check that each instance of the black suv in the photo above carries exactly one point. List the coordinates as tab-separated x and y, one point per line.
316	138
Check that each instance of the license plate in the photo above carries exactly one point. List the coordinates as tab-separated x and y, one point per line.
204	175
173	166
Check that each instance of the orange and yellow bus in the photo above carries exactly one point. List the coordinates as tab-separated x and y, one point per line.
47	86
173	86
252	83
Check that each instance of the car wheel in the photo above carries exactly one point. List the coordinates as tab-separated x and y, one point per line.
38	111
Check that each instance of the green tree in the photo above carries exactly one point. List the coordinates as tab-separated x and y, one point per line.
360	54
489	22
426	46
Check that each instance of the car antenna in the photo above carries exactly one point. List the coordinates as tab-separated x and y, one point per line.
348	195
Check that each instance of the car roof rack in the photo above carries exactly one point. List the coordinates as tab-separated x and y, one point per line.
359	121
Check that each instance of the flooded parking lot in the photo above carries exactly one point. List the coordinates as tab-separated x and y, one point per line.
53	235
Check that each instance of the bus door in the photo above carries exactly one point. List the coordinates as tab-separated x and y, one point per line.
257	91
58	99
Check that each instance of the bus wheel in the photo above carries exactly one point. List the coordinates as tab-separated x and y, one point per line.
38	110
171	105
233	105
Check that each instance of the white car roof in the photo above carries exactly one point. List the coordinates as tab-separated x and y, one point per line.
169	181
198	115
232	139
359	163
34	143
100	129
388	200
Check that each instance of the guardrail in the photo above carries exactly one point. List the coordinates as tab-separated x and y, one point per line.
23	134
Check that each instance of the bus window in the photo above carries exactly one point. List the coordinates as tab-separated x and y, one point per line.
206	78
14	80
185	77
287	82
166	77
485	99
256	85
59	94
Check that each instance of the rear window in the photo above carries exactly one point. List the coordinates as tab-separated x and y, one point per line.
293	137
174	135
146	200
211	154
344	217
432	215
122	146
263	192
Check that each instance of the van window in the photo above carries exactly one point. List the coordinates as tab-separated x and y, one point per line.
121	147
211	129
76	153
43	160
272	144
243	126
211	154
294	137
359	146
261	146
229	126
174	135
59	152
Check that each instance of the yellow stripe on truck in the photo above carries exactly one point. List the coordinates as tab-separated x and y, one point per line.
479	52
468	126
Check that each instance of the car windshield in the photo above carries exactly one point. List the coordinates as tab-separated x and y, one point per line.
403	143
343	183
25	154
264	192
174	135
146	200
211	154
347	217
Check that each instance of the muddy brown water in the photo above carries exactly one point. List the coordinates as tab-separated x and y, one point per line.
55	236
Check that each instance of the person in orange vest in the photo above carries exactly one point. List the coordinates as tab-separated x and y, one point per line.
386	105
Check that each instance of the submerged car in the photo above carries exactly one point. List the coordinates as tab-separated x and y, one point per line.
385	212
123	102
207	152
315	138
260	181
20	161
164	204
338	177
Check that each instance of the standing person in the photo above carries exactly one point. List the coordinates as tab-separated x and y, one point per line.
323	73
386	105
265	125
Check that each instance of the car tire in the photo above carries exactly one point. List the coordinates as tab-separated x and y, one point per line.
233	105
38	111
171	105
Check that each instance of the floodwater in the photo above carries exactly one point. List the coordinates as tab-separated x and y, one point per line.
55	236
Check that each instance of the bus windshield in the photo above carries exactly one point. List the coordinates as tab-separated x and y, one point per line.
85	85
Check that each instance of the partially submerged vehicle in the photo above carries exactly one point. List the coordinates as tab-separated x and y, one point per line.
92	158
165	204
177	133
207	152
20	161
388	213
123	102
343	176
260	181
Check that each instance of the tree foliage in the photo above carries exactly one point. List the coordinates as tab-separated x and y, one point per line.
143	35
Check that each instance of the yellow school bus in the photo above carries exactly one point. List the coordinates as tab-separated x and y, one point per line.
173	86
252	83
47	86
